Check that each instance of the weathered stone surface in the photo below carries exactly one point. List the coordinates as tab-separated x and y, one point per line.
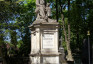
43	12
48	41
44	36
40	9
44	42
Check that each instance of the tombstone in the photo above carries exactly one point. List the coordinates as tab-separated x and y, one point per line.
44	37
85	52
44	43
62	58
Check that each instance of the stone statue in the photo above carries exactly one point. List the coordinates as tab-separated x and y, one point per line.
40	9
43	12
48	10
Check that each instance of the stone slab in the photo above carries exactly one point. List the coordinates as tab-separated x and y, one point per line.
48	40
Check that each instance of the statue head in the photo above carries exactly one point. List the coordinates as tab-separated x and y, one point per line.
42	2
48	4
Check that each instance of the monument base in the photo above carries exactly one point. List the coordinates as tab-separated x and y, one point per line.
44	59
44	43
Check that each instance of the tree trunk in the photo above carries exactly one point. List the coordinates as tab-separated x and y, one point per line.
64	27
69	56
67	40
57	10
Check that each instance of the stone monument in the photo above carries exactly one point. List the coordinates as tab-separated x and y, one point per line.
44	36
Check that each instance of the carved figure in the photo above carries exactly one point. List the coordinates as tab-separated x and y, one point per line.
48	10
43	12
40	9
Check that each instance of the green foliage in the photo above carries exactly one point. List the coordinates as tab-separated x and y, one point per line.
64	46
17	15
14	21
80	17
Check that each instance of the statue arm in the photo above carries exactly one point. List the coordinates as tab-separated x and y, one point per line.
36	10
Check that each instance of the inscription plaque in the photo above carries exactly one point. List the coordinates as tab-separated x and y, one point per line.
48	40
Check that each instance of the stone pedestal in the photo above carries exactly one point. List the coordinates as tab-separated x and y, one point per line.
44	43
62	58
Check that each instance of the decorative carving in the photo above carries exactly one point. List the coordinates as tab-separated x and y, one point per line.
40	9
48	10
43	12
